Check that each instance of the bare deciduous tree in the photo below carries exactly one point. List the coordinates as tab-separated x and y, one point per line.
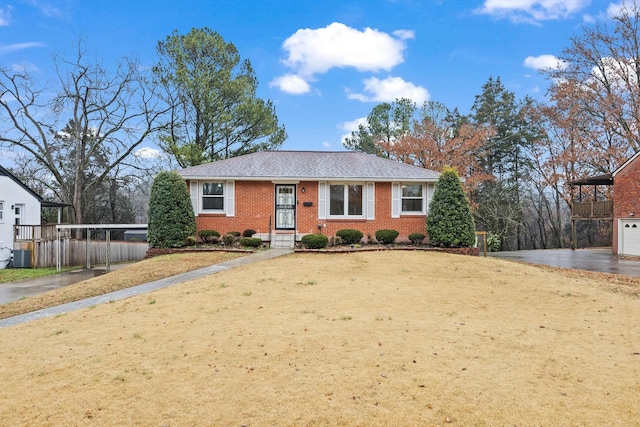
81	129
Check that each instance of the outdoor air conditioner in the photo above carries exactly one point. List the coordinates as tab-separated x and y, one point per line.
21	259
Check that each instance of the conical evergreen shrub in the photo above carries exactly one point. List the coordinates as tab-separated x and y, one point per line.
171	218
450	221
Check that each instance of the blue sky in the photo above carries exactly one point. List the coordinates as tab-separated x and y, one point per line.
325	64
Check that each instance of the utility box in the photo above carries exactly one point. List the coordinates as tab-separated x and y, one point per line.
21	259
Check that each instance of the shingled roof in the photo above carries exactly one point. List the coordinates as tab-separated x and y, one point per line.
310	166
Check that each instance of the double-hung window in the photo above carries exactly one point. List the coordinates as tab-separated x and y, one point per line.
409	198
345	200
412	198
213	196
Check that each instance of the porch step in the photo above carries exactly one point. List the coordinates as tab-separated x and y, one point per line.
282	241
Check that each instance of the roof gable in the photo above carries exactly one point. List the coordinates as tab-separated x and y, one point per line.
625	164
310	165
4	172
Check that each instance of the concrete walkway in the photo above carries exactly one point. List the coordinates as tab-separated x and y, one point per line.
146	287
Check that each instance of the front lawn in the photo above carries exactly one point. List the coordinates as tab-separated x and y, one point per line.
352	339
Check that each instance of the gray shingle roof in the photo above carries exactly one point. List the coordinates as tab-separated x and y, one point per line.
310	165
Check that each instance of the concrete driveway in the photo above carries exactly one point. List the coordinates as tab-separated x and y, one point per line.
601	260
14	291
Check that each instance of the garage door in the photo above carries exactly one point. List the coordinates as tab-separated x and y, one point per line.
630	238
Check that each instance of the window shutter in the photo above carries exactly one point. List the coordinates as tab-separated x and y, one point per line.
322	200
430	189
193	193
229	202
395	200
371	196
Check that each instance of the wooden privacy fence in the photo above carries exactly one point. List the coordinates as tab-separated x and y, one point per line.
74	252
51	246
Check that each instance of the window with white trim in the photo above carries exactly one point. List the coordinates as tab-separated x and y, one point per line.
1	211
412	198
213	196
346	200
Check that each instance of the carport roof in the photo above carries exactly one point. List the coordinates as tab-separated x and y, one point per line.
606	179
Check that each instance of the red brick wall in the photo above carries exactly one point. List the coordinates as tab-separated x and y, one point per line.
255	203
626	193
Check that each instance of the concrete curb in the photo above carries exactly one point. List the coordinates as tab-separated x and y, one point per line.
145	287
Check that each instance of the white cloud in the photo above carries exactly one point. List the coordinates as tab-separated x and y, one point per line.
18	46
148	153
405	34
316	51
24	67
326	144
5	16
291	83
532	11
614	9
390	89
544	62
351	126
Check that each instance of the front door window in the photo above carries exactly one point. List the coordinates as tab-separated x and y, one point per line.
285	207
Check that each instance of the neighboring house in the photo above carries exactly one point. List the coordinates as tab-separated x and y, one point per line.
623	210
18	205
626	208
283	195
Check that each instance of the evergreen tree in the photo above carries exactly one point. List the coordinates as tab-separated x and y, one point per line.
215	111
450	222
171	218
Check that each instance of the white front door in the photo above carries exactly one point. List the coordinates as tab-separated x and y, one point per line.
285	207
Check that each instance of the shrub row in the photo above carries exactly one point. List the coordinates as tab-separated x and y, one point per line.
350	237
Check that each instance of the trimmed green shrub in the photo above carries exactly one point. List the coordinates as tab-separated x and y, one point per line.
315	241
171	218
234	233
450	222
349	236
248	232
228	239
386	237
251	242
209	236
190	241
493	242
416	238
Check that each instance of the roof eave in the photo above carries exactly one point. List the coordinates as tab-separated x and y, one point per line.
307	178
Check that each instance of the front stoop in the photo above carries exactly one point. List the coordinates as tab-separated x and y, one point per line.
282	241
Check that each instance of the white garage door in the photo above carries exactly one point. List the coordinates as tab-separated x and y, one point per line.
630	237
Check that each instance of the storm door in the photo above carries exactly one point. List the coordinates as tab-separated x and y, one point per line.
285	207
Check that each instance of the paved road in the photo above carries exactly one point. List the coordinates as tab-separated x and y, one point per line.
601	260
144	288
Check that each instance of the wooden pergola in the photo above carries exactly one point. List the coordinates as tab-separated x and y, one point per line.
591	210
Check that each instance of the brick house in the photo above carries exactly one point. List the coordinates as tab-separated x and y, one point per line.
283	195
626	208
623	210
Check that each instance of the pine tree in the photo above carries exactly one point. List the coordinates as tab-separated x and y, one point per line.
450	222
171	218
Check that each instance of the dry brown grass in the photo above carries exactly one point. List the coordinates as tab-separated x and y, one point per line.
385	338
126	277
